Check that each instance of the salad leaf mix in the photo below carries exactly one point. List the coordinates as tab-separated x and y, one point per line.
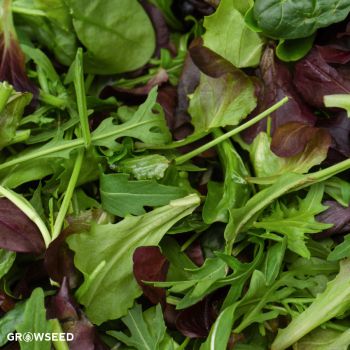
175	174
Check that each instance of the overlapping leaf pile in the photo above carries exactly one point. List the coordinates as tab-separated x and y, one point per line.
174	174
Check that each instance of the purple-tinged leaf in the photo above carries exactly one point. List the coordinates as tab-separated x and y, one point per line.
160	27
334	54
12	60
276	84
209	62
196	321
315	78
339	128
337	215
150	265
17	232
63	307
59	259
291	139
6	302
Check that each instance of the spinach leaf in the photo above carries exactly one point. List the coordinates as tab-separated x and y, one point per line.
105	257
117	41
297	19
121	196
240	45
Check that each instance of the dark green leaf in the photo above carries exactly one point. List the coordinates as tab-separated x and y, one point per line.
291	19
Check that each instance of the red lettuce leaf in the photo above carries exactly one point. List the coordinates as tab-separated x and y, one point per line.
315	78
291	139
276	83
12	60
150	265
17	232
63	307
337	215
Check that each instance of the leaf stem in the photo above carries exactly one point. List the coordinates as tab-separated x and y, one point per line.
184	158
52	100
68	195
79	85
176	144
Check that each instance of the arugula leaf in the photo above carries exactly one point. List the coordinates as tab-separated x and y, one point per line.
34	320
341	251
105	257
147	124
222	101
121	196
333	302
287	19
241	46
296	221
234	192
117	41
144	335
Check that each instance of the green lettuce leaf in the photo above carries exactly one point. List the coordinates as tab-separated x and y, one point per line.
104	255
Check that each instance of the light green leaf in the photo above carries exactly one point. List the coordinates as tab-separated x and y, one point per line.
117	41
11	114
34	321
144	335
121	196
341	251
221	330
267	164
294	49
333	302
222	101
144	167
242	218
324	339
296	221
240	45
109	249
339	101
